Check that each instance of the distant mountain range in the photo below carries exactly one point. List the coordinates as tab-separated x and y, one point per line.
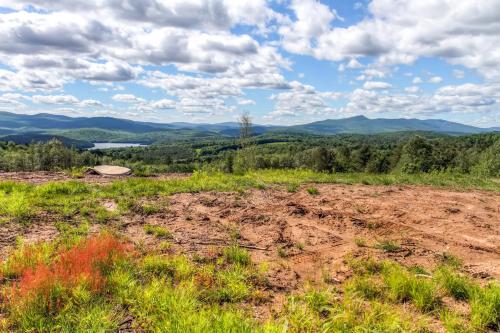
364	125
20	128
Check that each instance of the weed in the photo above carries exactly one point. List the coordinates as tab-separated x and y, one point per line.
300	246
360	242
404	286
454	323
485	307
365	266
45	293
455	284
292	187
236	255
158	231
388	246
366	287
282	253
450	260
312	191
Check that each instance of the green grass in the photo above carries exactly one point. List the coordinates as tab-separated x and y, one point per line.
388	246
403	286
158	231
78	200
312	191
173	293
457	285
236	255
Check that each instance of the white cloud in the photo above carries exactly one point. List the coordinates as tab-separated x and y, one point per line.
412	89
246	102
163	104
435	79
55	99
372	85
358	5
467	98
463	32
302	100
417	80
128	98
353	64
312	21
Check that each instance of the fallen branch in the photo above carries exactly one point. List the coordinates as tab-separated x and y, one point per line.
252	247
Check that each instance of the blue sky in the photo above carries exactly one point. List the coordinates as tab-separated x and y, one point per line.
284	61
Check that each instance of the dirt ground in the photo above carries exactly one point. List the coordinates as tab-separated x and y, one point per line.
41	177
305	238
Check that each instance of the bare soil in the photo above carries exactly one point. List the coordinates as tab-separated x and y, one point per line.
42	177
303	237
306	238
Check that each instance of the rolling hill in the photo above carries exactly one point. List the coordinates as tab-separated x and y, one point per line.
20	128
364	125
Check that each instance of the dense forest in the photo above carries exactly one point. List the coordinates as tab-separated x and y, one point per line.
407	152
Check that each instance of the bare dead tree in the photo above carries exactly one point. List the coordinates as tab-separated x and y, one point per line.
245	122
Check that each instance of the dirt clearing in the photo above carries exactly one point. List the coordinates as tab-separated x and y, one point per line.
304	237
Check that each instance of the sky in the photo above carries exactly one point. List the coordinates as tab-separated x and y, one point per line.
282	61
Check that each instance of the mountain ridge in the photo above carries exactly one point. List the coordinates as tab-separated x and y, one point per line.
12	123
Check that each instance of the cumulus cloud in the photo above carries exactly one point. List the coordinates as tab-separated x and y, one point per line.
412	89
417	80
465	32
302	100
372	85
203	56
111	40
55	99
465	98
435	79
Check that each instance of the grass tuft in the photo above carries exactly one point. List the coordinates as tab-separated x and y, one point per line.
236	255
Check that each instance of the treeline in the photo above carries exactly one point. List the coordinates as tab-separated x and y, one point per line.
478	154
382	153
49	156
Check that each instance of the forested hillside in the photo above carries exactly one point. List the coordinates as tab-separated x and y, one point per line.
396	152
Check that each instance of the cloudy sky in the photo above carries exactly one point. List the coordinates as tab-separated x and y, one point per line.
284	61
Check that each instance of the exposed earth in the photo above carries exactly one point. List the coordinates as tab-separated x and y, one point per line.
304	237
